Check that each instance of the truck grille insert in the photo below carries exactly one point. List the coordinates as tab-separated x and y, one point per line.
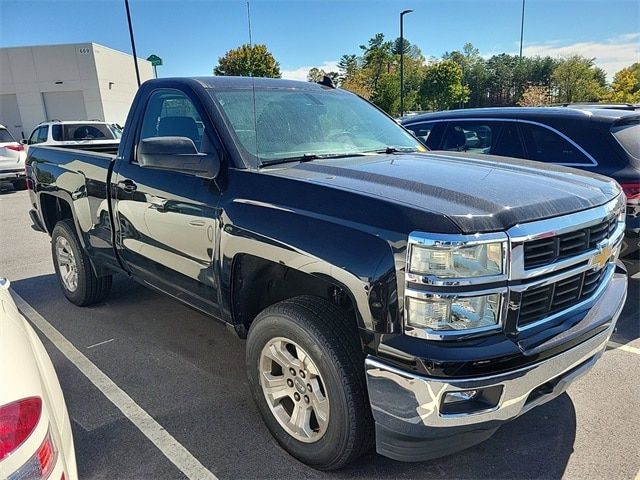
545	251
540	302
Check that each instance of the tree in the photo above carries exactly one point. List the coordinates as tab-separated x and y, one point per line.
442	85
377	58
625	87
535	96
387	96
576	79
474	73
317	74
248	61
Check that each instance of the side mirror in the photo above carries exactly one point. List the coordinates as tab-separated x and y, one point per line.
178	154
24	141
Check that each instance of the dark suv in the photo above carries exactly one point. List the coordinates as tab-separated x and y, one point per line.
605	141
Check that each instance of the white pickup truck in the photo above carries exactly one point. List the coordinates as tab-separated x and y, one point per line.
94	135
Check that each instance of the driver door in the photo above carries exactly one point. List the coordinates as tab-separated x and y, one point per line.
168	220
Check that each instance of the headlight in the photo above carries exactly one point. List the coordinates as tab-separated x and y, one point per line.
454	313
457	262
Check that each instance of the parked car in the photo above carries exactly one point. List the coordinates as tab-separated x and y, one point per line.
416	299
35	432
84	135
600	140
12	157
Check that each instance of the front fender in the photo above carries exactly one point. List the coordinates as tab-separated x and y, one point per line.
360	262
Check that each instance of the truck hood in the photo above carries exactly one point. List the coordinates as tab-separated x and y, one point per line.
478	193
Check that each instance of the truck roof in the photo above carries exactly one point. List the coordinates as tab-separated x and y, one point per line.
220	82
72	122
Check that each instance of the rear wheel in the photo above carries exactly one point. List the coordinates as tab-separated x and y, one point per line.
77	279
306	373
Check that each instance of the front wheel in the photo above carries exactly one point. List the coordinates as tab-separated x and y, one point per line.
306	373
79	282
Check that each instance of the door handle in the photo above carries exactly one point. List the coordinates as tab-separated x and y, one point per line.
127	185
197	223
158	203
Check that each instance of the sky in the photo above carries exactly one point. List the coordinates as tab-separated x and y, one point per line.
190	35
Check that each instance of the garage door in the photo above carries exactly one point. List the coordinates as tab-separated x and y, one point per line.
64	105
10	115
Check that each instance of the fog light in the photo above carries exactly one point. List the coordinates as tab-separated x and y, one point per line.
463	396
465	402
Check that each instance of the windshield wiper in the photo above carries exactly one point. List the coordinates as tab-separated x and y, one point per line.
390	150
314	156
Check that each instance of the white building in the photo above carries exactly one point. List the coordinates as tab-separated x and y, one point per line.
83	81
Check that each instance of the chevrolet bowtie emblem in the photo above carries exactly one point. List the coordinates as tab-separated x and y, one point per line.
600	259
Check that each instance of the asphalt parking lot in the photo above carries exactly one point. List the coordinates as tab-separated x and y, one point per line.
186	371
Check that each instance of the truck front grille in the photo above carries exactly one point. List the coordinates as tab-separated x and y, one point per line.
540	302
546	251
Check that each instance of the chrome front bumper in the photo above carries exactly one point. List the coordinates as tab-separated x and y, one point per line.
407	408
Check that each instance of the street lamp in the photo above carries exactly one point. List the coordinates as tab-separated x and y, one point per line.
402	14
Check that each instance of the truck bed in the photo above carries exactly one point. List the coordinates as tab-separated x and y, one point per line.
110	148
79	177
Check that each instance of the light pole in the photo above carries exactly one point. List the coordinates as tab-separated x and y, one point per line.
402	14
133	42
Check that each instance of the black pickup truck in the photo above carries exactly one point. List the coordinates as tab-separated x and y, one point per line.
388	295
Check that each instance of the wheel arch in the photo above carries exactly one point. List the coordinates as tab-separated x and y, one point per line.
354	270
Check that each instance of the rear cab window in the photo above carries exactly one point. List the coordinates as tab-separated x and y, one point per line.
82	131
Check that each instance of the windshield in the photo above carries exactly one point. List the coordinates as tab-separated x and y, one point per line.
116	130
297	124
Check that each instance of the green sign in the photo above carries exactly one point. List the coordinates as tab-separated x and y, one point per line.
155	60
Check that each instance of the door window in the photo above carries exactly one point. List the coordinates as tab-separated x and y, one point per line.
170	113
421	130
545	145
476	137
508	144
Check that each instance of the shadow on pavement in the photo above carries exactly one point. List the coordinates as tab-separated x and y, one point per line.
628	327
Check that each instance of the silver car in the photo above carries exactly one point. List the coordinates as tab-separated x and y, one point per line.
12	157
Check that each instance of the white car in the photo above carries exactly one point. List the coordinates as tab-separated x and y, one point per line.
12	157
35	430
91	134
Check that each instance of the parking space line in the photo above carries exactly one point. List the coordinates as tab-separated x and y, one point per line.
624	348
100	343
163	440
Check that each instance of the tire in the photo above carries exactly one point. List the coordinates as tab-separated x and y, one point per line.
77	279
330	339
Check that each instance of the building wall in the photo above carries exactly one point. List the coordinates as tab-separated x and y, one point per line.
117	81
31	73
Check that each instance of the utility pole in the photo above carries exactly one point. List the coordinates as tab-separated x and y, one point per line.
522	29
402	14
133	42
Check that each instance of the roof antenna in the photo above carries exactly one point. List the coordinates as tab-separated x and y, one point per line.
253	82
327	82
